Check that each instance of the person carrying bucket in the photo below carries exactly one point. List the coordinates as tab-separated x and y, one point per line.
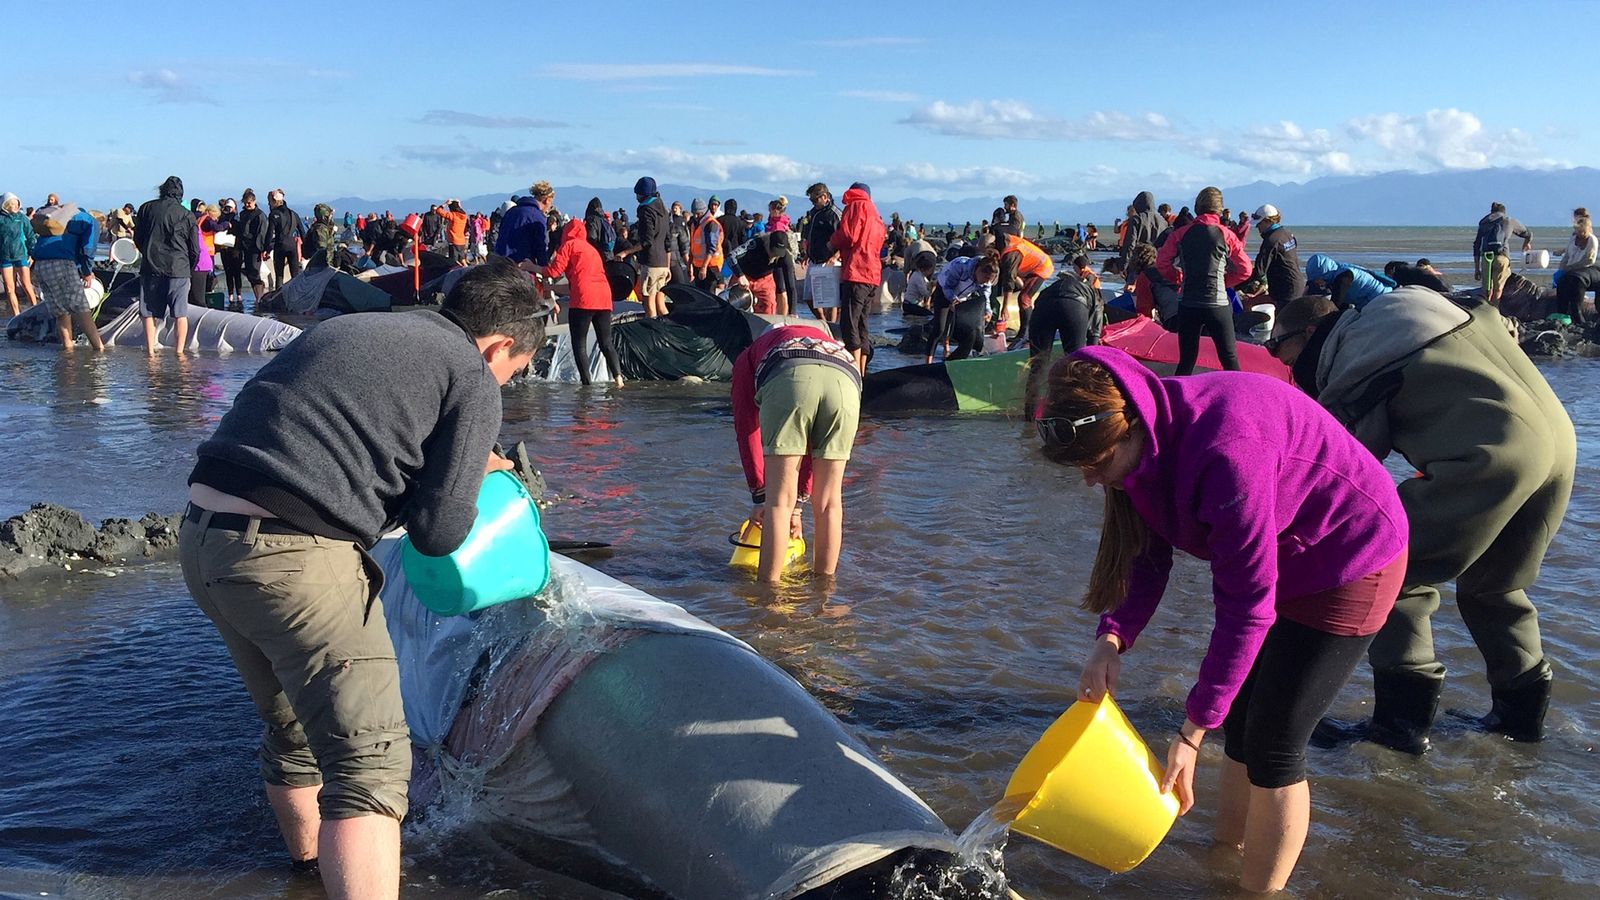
796	404
281	515
1307	543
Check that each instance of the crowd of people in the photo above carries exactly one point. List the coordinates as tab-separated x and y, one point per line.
1317	557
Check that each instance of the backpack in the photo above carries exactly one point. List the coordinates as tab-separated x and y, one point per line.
1492	233
608	235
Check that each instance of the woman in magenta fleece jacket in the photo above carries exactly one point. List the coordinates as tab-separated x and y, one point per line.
1307	542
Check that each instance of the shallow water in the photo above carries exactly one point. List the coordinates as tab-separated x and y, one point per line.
950	642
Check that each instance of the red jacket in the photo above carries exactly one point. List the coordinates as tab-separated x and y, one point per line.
747	416
585	271
859	239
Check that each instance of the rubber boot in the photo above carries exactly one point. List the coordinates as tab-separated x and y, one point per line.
1518	712
1403	708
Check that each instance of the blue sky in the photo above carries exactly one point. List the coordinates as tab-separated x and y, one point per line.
1071	100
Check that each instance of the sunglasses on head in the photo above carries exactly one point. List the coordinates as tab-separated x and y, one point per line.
1057	430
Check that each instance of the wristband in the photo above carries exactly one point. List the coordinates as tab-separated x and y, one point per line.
759	498
1185	739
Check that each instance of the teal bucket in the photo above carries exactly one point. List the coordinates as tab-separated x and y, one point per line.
505	556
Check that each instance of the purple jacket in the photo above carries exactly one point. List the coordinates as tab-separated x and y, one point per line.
1249	473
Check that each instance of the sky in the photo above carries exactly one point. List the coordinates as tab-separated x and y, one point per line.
1067	100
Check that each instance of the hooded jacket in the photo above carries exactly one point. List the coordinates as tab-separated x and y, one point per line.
1278	265
250	233
1365	284
17	237
859	239
1247	472
1443	383
321	236
1145	226
1206	258
651	232
76	243
524	233
579	262
165	233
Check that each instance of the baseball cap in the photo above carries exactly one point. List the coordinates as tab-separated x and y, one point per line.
1265	211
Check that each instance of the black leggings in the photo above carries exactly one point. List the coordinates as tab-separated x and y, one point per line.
1293	682
285	258
1216	320
578	321
960	323
233	271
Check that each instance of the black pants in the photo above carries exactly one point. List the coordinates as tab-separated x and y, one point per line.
280	258
1055	314
233	271
959	323
1215	320
1293	682
578	321
1571	290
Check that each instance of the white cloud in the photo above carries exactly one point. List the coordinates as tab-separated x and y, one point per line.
167	86
1016	120
922	175
640	71
883	96
457	118
1444	139
854	42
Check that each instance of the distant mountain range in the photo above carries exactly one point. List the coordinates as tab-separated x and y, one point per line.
1538	197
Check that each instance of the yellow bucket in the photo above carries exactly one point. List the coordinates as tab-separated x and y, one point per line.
1090	787
747	548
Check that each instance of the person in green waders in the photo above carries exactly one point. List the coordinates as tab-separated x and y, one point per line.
1445	385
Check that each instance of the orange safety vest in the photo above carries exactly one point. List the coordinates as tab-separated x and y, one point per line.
1034	260
706	231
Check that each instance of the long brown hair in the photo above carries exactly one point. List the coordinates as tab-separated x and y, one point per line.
1080	388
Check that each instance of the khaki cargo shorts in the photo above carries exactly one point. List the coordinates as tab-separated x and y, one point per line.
811	407
300	616
653	280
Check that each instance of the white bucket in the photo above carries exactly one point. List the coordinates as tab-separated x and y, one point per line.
994	343
1271	312
1536	259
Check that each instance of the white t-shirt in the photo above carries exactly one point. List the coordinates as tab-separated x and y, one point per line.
917	289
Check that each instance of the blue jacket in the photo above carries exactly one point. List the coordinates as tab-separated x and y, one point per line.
524	233
77	243
1365	285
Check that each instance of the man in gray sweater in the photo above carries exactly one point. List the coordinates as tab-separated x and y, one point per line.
364	423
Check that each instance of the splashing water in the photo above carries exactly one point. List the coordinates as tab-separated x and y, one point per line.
978	870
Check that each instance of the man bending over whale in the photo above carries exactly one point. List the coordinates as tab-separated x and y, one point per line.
362	424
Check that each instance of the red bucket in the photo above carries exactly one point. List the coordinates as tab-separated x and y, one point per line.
412	224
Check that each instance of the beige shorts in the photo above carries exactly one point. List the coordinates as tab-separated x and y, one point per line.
300	616
809	408
653	280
